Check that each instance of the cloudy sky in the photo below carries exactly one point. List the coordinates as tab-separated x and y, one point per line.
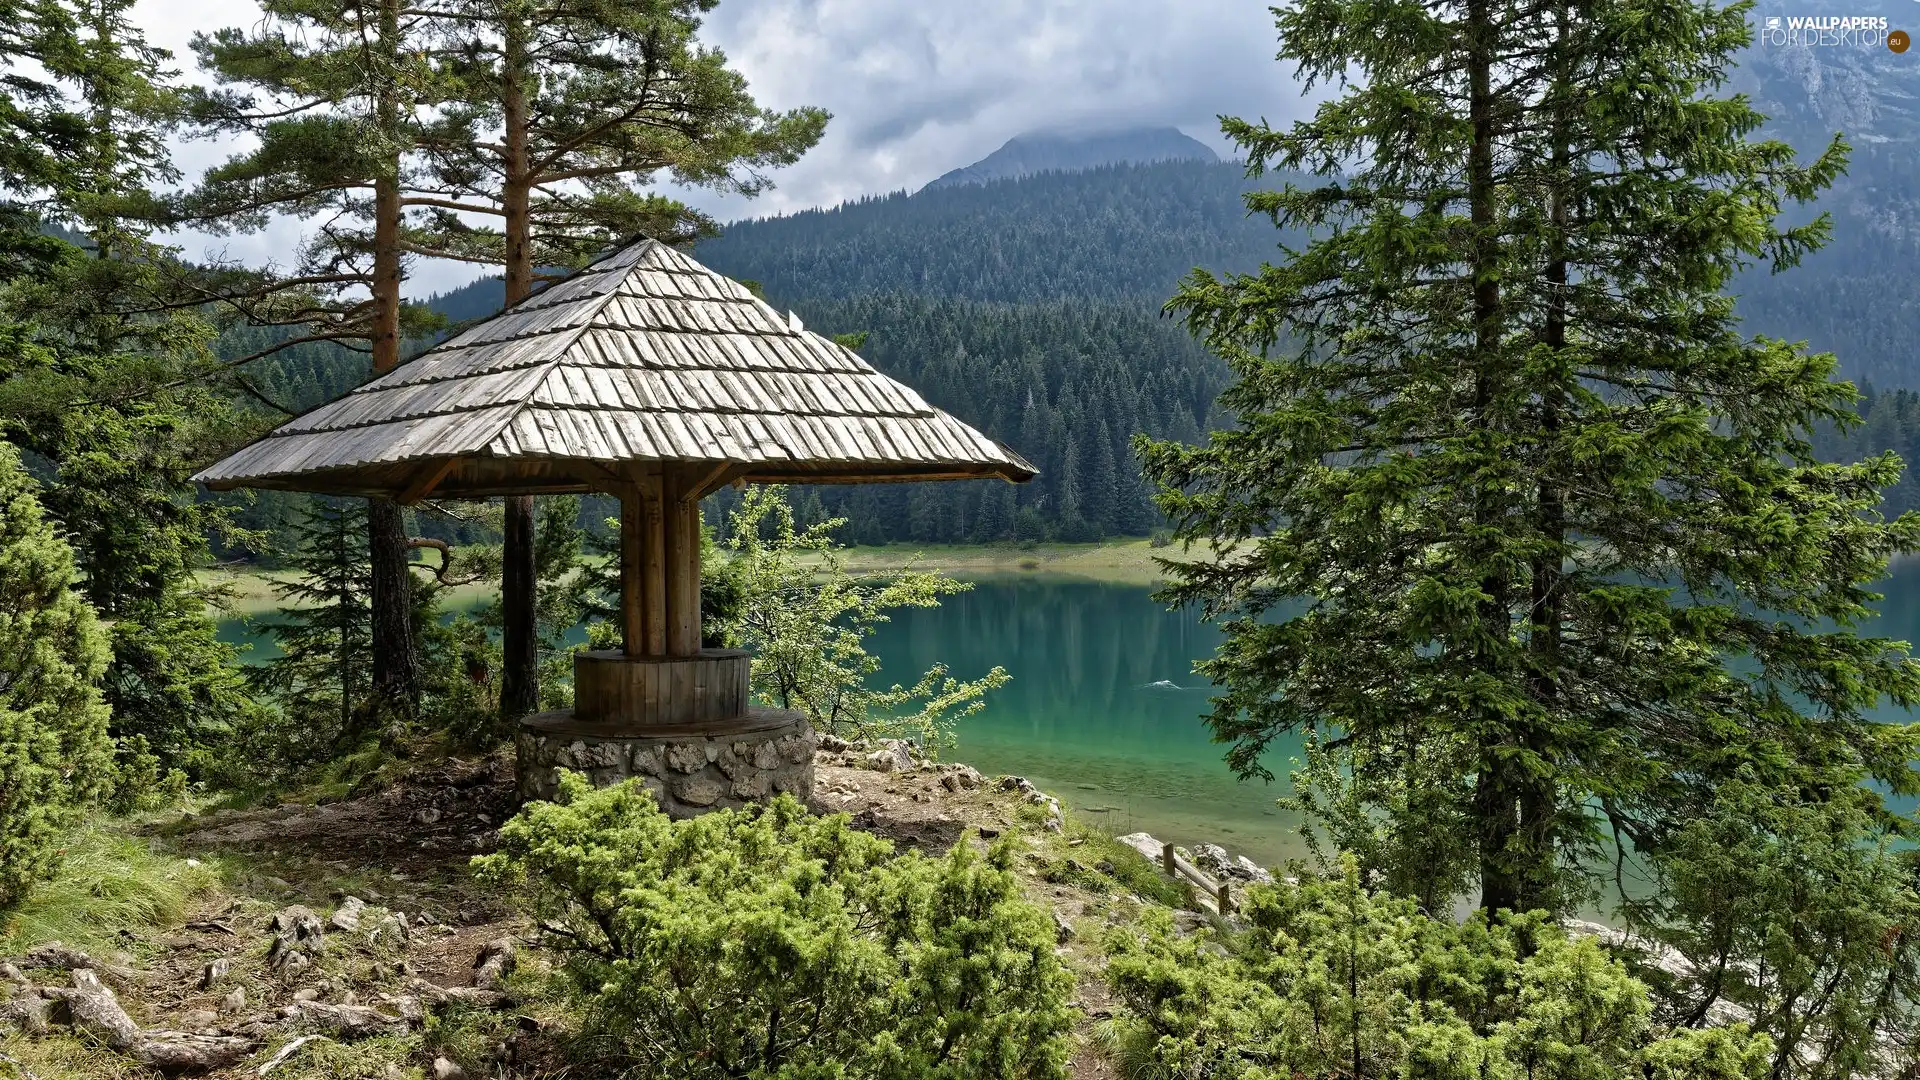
917	87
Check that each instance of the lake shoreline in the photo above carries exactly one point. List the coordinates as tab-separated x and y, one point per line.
250	591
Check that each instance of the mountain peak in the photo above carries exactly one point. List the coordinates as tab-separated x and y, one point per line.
1038	152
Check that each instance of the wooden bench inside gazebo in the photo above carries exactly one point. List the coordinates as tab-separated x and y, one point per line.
648	377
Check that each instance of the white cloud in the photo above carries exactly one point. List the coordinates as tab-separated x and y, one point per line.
918	87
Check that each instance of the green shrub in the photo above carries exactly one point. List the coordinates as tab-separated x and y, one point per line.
1331	980
55	755
772	943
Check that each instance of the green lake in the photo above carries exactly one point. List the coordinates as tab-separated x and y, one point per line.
1104	710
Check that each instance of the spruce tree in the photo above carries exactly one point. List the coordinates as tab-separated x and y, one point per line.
1567	560
110	383
324	674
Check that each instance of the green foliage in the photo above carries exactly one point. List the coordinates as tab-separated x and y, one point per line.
1515	513
55	755
324	672
1802	914
805	619
771	943
1331	979
598	101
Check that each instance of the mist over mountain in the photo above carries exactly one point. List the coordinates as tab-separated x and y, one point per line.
1041	152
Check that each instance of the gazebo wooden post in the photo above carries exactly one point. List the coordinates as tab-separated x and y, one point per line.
660	564
632	571
683	563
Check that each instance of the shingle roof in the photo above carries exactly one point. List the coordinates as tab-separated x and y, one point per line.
643	357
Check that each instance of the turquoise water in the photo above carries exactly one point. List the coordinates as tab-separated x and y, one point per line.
1082	716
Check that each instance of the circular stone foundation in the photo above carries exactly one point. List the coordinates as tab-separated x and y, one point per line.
690	769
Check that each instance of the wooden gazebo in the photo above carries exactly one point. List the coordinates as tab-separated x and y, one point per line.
651	378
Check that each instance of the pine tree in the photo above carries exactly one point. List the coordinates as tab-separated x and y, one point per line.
564	112
334	102
1568	560
55	756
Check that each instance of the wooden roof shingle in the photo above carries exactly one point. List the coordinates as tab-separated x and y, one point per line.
644	357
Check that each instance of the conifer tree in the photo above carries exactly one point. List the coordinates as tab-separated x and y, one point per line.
565	112
333	94
55	756
1567	559
108	383
324	674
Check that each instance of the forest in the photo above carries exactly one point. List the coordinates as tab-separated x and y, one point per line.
1492	426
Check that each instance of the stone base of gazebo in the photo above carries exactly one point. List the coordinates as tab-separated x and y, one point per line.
679	723
690	769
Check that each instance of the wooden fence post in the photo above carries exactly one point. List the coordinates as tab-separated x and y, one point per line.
1166	857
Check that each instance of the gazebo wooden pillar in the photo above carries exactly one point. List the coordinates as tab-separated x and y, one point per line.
648	377
661	673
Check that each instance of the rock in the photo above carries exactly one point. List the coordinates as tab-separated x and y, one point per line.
1015	783
12	974
175	1052
346	918
834	744
700	791
214	971
394	926
281	884
306	993
93	1010
344	1021
298	921
493	964
446	1070
58	956
199	1019
1214	859
435	994
951	782
29	1012
289	961
1144	843
1062	929
428	816
1104	867
235	1000
892	757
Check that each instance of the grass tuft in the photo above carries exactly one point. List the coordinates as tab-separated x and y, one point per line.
106	883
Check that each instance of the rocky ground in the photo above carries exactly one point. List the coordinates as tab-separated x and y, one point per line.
349	940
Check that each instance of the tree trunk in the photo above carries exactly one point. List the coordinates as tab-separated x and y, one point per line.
519	577
1539	798
396	661
1495	805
